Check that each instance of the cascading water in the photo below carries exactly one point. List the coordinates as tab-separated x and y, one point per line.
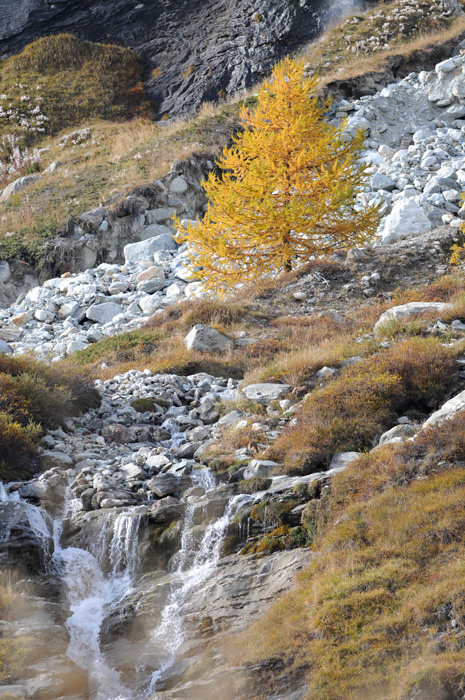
89	592
194	568
97	579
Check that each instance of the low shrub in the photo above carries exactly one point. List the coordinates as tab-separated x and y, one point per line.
380	612
350	411
35	397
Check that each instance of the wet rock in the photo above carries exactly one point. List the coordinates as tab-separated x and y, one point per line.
163	485
166	510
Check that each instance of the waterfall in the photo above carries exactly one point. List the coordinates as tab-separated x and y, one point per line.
194	568
89	591
98	579
90	594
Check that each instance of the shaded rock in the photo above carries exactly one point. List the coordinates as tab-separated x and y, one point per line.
163	485
206	339
342	459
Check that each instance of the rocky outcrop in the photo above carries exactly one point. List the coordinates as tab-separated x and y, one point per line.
194	50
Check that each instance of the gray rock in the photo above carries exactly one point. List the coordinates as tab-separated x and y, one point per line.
5	271
259	467
398	433
103	313
382	182
266	393
447	410
144	250
166	510
405	220
150	304
413	308
206	339
132	471
341	459
5	349
17	186
153	231
163	485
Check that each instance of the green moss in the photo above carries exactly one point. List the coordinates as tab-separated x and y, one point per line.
256	483
272	512
143	405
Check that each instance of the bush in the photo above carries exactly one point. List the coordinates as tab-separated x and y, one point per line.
35	398
350	411
380	612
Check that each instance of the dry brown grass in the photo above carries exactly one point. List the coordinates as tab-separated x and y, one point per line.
347	413
371	617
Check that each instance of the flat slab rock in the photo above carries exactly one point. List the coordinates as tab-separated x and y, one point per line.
266	393
413	308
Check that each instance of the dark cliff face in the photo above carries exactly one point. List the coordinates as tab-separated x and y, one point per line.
194	50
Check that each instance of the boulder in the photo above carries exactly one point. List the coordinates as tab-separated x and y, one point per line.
398	434
152	231
103	313
413	308
166	510
164	485
150	303
259	467
341	459
5	349
144	250
5	271
266	393
405	220
447	410
207	339
20	184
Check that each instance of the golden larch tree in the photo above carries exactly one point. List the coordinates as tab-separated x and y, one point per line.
287	189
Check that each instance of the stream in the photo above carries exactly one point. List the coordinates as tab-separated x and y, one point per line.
96	579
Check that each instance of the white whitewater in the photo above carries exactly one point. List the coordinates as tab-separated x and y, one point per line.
91	594
96	580
195	566
89	591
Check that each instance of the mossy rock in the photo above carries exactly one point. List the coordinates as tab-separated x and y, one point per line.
253	485
144	405
274	513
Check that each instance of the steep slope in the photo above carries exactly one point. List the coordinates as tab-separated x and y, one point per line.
193	51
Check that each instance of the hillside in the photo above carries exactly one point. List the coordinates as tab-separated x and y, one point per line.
257	496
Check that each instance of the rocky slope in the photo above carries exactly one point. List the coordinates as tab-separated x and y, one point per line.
194	51
136	561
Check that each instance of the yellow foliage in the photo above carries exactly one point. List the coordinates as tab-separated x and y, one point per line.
287	189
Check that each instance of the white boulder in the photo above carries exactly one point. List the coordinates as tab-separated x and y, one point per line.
266	393
405	220
103	313
413	308
144	250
